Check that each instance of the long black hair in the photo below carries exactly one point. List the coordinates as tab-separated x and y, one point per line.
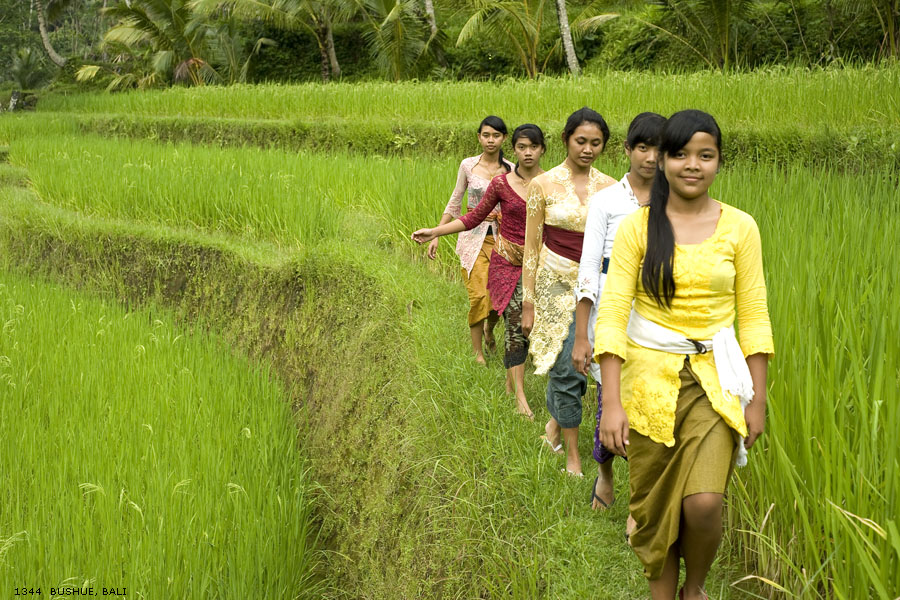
581	116
534	135
498	124
657	273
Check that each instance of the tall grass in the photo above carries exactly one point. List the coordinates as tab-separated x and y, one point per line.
778	98
135	456
269	194
817	506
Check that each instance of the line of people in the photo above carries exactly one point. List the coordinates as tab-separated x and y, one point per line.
637	282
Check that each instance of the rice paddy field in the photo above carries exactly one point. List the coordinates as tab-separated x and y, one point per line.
141	458
471	508
780	98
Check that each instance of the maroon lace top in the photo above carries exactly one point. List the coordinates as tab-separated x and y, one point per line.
502	276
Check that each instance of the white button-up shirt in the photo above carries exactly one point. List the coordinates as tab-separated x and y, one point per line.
607	208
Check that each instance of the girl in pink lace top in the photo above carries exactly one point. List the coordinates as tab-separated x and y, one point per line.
474	247
505	274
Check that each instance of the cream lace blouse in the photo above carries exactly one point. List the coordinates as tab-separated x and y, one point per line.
549	279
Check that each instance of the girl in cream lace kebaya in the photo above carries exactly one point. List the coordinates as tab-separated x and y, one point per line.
474	247
682	271
557	210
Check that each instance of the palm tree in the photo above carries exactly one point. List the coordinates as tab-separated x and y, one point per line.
313	16
26	70
167	41
712	22
176	37
565	34
521	23
396	34
888	14
41	11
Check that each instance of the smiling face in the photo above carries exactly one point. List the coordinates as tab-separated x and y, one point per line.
692	169
491	140
585	144
643	159
528	154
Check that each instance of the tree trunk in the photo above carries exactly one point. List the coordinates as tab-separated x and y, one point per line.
566	34
14	100
58	60
323	52
329	47
429	14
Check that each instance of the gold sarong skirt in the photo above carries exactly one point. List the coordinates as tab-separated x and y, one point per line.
701	460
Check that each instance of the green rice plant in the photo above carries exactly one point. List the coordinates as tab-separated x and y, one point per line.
817	505
137	456
247	193
791	99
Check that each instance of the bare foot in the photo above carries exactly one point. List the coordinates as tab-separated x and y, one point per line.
480	360
697	594
604	494
489	341
523	409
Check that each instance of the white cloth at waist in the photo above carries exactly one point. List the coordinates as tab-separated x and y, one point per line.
731	366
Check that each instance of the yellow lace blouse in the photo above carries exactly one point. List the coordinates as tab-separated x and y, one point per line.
548	279
716	281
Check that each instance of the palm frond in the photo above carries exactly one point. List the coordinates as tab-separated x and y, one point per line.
87	72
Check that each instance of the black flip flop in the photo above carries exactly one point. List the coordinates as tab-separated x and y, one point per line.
594	495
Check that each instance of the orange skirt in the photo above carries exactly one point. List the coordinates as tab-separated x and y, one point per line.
476	283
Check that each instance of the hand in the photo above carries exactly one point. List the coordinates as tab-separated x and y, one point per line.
614	427
527	318
581	355
423	235
432	248
755	415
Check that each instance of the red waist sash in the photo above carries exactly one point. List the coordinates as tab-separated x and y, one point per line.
564	242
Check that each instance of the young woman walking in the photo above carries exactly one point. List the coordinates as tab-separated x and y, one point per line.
505	275
557	210
687	392
607	208
474	247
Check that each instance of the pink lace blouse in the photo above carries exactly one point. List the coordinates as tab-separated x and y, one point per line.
469	243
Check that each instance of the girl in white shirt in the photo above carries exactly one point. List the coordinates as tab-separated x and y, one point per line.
608	208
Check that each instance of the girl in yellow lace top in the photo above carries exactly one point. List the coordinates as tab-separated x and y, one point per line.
690	265
554	229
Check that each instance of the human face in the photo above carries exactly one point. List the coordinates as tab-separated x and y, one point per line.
491	139
691	170
528	154
643	159
585	144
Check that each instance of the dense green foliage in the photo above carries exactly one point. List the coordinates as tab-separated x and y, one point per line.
153	43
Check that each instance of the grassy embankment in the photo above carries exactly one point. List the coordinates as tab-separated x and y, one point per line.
795	516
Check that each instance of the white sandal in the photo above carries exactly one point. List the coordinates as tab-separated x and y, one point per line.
555	449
